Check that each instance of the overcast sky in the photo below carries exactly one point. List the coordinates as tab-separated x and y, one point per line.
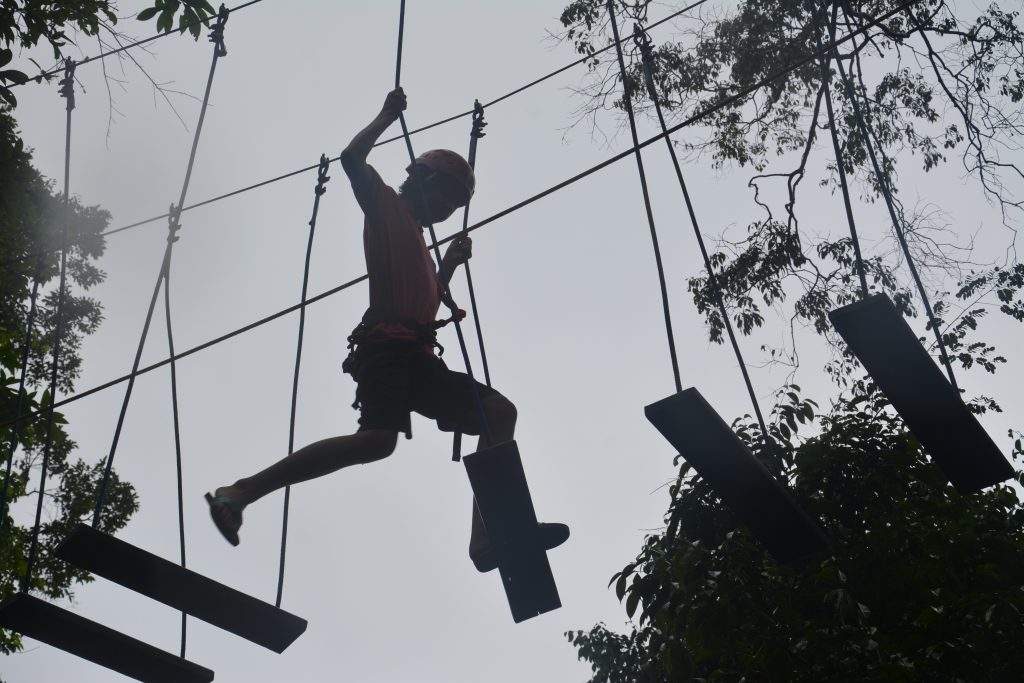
377	558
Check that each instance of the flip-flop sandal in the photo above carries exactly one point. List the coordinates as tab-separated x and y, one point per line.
234	509
552	536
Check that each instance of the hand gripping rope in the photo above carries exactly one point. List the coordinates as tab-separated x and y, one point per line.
318	191
485	429
67	91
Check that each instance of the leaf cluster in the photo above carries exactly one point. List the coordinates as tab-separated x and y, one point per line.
31	227
920	583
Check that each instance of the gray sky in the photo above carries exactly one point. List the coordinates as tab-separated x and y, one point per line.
569	304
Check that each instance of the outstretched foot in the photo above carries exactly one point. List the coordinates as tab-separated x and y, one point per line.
226	513
552	535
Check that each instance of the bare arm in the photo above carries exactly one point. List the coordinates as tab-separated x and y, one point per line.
458	252
353	157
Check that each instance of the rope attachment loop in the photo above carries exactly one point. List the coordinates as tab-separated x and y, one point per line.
321	175
173	224
217	32
67	84
477	131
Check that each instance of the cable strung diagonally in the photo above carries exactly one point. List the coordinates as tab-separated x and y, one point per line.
494	217
217	38
414	131
67	91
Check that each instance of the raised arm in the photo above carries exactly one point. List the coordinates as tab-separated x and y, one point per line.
353	157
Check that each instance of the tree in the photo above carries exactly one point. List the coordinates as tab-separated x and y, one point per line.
31	220
24	25
920	582
965	99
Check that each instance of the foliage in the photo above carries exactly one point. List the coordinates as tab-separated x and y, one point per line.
25	24
921	583
31	220
966	99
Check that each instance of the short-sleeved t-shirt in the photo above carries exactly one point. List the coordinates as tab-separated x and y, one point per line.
402	278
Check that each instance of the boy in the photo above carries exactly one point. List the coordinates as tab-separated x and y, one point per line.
392	350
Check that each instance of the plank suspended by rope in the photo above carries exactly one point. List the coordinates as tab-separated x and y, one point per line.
501	495
35	618
318	191
97	552
693	427
876	333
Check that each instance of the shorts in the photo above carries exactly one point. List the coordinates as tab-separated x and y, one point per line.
395	379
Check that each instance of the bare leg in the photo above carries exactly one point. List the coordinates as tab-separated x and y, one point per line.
501	418
312	461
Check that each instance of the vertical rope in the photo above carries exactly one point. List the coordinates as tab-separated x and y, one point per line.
429	224
177	445
476	132
174	214
627	103
20	404
645	50
896	223
318	191
67	91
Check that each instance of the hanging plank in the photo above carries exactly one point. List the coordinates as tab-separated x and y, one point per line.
915	386
182	589
67	631
757	498
503	498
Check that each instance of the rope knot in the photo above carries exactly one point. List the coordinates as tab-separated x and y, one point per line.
217	32
643	42
173	225
478	120
67	84
321	175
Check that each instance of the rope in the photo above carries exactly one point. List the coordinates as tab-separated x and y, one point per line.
896	223
628	105
476	132
476	226
449	119
177	446
20	404
826	76
67	91
318	191
645	49
217	38
417	181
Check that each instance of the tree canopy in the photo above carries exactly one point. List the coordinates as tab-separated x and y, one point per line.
920	582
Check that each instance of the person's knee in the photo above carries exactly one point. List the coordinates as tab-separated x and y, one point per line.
377	444
500	410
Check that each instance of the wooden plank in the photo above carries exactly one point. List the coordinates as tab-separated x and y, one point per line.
760	501
915	386
503	498
64	630
182	589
